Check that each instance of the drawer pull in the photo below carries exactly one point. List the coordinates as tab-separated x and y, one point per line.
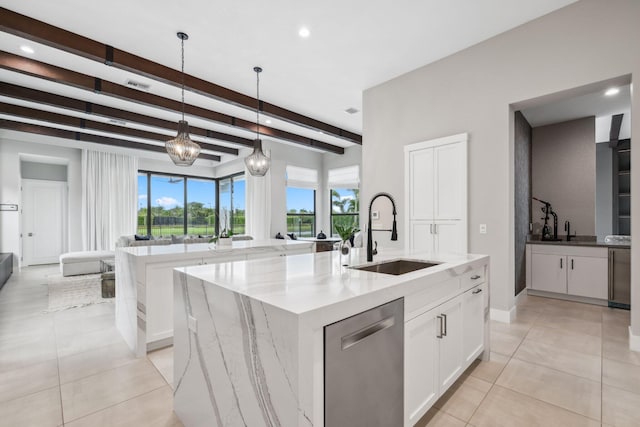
440	335
477	291
475	277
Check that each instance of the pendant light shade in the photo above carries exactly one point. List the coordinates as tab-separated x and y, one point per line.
182	150
257	162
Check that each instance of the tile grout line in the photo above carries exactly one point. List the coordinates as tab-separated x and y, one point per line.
55	340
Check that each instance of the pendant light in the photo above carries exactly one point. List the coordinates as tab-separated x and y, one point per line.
257	162
182	150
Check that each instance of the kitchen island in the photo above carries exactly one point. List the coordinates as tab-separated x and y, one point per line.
250	336
144	283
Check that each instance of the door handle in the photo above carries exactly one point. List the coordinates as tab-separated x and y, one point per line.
354	338
435	228
572	263
440	336
560	263
30	234
444	317
477	291
430	228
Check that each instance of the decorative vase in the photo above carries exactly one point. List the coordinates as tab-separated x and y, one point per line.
345	253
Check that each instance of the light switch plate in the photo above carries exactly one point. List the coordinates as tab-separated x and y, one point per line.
193	324
483	228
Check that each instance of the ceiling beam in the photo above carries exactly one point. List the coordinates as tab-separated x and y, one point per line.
46	98
60	75
61	119
41	32
87	137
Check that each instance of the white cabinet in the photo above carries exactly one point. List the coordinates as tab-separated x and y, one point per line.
440	344
473	305
571	270
436	194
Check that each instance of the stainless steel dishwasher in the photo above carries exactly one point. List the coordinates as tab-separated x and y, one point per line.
364	368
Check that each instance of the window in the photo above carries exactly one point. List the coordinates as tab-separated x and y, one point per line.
301	201
345	208
232	204
167	205
201	207
177	204
343	184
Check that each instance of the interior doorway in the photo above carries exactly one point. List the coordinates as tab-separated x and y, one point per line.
44	219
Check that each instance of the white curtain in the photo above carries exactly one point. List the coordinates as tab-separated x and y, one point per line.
258	206
109	198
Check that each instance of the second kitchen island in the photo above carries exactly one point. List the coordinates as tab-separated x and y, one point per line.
253	339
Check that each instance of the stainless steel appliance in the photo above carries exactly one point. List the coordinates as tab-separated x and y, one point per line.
620	277
363	368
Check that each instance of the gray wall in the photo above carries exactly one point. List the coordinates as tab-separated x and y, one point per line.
476	91
522	195
604	190
563	173
46	171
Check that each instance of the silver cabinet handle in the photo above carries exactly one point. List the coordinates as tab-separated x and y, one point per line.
30	234
440	336
430	228
560	263
477	291
354	338
475	277
572	263
444	316
435	228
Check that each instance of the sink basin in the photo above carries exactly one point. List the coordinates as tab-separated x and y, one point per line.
396	267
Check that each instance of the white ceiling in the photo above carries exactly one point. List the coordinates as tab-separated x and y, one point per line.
353	45
591	104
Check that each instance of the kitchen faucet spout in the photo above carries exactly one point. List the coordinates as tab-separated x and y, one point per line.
394	228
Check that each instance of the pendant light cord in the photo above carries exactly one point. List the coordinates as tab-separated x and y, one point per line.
182	45
258	108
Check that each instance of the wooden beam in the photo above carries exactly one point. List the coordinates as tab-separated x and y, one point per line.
41	32
33	95
87	137
61	119
60	75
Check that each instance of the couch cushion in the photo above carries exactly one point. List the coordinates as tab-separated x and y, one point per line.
159	242
87	256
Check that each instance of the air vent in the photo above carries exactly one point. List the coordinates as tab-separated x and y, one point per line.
351	110
118	122
138	85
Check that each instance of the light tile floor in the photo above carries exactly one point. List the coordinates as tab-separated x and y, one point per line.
559	364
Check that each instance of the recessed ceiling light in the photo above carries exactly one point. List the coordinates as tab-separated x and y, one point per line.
27	49
304	32
268	121
612	91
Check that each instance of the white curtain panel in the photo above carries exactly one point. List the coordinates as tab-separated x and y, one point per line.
109	198
258	205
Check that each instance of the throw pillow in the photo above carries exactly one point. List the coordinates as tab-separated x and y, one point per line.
138	237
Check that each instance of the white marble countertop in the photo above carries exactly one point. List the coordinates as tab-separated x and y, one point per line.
301	284
207	249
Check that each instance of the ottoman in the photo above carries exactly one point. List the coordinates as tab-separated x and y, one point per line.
74	263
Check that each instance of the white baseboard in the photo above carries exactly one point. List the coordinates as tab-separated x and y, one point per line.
504	316
634	341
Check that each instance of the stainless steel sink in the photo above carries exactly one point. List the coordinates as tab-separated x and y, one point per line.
396	267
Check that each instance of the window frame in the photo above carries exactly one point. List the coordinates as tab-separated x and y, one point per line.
331	214
314	214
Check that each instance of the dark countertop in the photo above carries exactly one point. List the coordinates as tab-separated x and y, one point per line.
591	243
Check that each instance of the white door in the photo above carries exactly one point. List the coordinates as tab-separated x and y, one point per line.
549	273
421	184
588	277
450	356
420	361
449	237
44	216
449	175
473	323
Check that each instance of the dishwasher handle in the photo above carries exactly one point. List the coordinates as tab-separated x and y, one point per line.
354	338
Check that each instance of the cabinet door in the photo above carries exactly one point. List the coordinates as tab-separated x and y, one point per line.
549	273
587	277
450	351
473	323
449	237
420	359
421	184
421	239
449	179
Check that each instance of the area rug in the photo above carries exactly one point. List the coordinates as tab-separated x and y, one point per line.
74	291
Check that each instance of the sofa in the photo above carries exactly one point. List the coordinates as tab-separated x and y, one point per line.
131	241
